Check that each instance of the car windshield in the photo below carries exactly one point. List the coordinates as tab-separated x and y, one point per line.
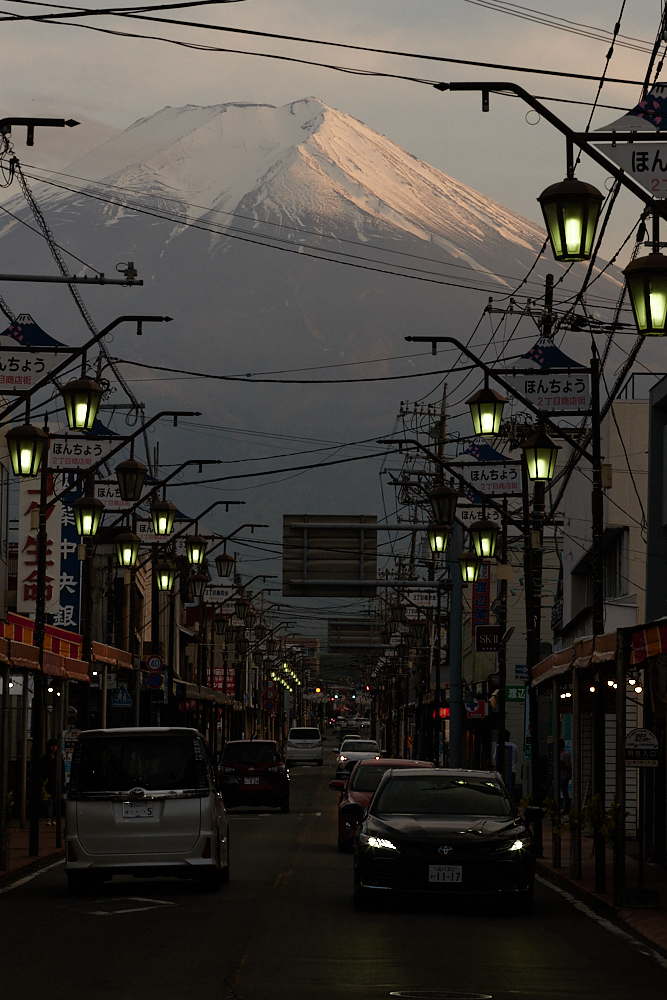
254	752
368	778
154	763
360	746
443	795
304	734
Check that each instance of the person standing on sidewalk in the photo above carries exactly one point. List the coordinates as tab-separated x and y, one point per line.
565	777
48	772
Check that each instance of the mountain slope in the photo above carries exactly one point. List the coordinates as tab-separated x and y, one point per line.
311	182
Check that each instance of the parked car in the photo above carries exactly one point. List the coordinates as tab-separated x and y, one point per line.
443	831
352	750
144	802
253	773
364	779
304	746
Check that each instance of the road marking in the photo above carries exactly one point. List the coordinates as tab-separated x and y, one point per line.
284	875
155	905
29	878
318	814
603	922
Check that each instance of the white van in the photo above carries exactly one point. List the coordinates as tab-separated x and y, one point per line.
304	746
144	802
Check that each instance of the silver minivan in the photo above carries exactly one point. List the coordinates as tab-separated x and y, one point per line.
304	746
144	802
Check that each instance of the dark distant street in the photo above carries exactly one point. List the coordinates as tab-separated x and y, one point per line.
285	926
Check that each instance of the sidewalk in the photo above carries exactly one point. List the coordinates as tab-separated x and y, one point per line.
652	924
20	862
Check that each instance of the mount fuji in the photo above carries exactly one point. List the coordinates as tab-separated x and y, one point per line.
262	230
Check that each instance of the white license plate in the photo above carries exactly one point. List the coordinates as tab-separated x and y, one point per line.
445	873
251	781
138	811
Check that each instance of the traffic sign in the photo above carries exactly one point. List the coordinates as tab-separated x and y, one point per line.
154	681
476	709
122	697
641	748
154	663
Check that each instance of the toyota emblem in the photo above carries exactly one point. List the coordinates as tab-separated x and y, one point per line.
445	849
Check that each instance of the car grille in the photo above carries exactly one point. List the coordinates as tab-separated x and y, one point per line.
412	874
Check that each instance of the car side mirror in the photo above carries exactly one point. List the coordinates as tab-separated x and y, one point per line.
354	810
338	785
383	753
531	813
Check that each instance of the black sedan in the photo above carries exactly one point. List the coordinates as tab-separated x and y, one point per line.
448	831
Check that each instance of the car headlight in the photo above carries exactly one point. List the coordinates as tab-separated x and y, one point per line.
342	758
516	845
377	842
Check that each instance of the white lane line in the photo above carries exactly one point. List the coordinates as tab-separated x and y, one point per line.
29	878
607	924
156	904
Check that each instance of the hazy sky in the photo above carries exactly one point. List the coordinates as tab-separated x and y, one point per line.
111	81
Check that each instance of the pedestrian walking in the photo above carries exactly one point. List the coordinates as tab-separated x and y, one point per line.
48	775
511	757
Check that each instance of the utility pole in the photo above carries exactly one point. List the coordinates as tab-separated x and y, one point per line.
502	651
455	649
597	567
38	676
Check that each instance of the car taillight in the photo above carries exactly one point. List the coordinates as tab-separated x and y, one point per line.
206	853
278	767
71	853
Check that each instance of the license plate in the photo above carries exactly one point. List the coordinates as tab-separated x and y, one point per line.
138	811
445	873
251	781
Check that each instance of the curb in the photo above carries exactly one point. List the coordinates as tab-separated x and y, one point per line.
6	878
597	905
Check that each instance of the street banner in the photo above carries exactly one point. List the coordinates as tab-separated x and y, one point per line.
645	162
22	368
26	597
481	598
217	594
554	393
76	451
148	536
108	491
68	612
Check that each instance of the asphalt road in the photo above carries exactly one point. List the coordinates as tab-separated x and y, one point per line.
284	927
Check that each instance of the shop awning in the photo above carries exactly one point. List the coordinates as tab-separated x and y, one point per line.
584	652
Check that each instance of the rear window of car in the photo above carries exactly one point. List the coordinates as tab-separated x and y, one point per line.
368	778
304	734
442	795
155	763
360	746
254	752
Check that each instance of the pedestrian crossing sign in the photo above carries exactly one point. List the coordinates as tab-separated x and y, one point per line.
122	698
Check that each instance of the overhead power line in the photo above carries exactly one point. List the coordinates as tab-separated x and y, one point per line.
317	41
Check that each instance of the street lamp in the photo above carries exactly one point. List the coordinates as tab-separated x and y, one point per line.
242	608
163	513
571	209
224	564
88	513
484	535
131	475
438	536
486	410
470	564
260	632
82	398
220	624
127	549
195	548
198	582
647	284
540	453
443	500
26	446
165	573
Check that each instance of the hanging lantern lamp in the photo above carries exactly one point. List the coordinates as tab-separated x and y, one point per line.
571	210
26	446
484	536
88	513
82	397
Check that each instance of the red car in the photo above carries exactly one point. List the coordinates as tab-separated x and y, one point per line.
363	780
253	773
